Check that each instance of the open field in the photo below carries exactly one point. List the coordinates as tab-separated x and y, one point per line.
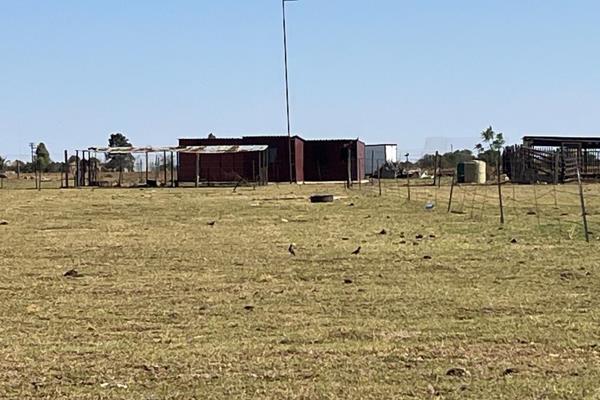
169	307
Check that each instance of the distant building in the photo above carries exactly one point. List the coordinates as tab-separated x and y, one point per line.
552	159
312	160
227	167
327	160
379	154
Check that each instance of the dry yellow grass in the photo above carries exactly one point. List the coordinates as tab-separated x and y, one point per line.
168	307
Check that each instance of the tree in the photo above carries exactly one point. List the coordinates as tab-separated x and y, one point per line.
490	146
451	160
119	162
447	160
2	163
42	157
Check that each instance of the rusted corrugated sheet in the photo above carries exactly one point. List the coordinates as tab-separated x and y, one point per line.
205	149
277	153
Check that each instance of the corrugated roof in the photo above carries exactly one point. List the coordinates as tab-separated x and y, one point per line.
333	140
180	149
222	149
241	137
541	140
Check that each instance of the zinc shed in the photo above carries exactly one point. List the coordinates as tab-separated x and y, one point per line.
327	160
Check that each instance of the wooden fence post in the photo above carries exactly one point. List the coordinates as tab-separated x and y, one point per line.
500	190
66	169
165	167
197	169
172	170
349	165
435	168
537	208
379	178
147	167
451	192
583	211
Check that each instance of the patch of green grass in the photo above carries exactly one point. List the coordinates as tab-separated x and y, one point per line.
170	307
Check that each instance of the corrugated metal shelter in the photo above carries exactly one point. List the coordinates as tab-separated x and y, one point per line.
277	158
327	160
205	162
379	154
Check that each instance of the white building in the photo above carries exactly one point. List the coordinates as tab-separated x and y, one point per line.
379	154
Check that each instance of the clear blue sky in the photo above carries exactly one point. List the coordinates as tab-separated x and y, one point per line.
72	71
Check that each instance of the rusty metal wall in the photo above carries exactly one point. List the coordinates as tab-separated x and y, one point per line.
327	160
278	158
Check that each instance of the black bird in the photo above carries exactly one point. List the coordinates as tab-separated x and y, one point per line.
356	252
72	273
211	223
292	250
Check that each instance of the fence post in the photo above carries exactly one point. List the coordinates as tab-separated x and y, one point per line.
408	183
76	181
147	168
451	192
66	169
165	167
537	209
172	171
500	190
583	211
349	165
197	169
372	162
439	171
473	200
435	168
379	178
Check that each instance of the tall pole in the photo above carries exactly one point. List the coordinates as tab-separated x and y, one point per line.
287	91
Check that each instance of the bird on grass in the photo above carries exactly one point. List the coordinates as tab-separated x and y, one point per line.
292	249
357	251
72	273
211	223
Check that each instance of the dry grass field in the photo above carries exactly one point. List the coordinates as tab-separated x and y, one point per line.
166	306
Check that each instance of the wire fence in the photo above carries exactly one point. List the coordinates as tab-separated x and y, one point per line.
561	210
